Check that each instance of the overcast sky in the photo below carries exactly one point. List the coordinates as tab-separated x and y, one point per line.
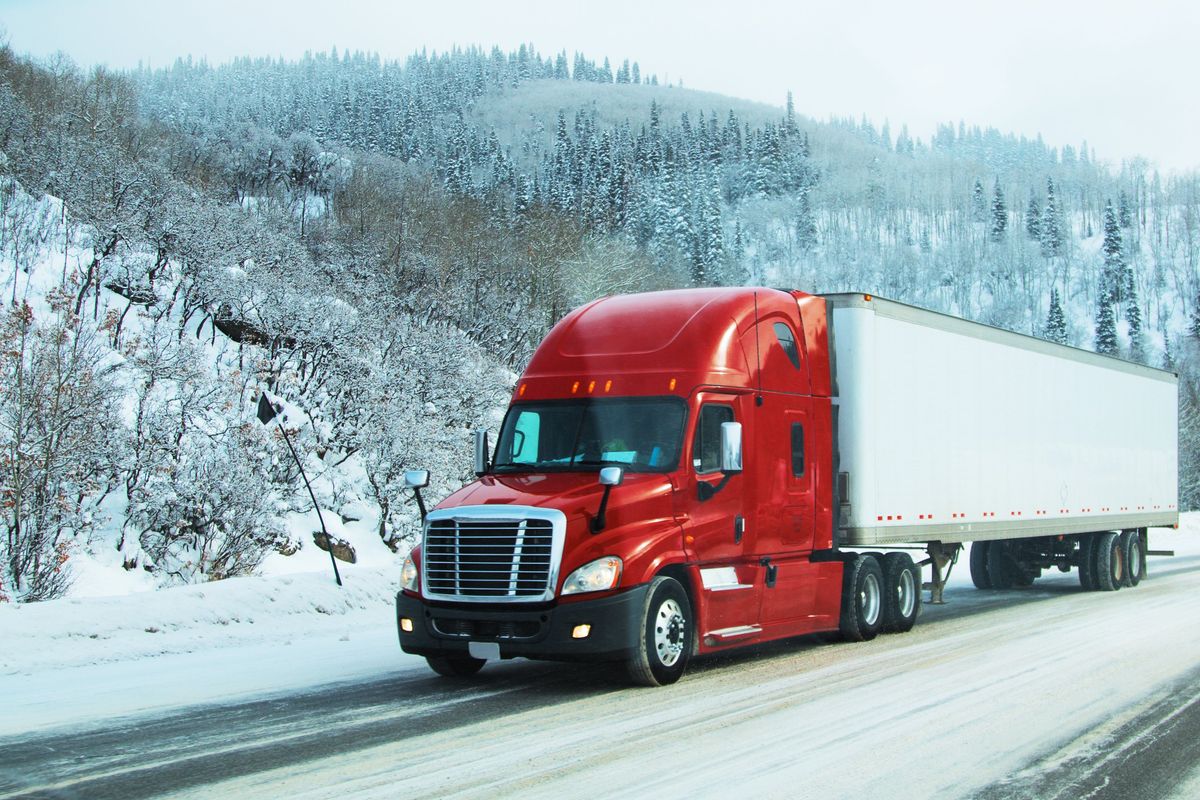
1120	75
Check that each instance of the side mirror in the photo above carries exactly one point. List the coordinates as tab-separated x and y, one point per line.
416	479
731	447
481	453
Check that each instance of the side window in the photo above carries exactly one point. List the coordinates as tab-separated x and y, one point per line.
787	340
706	448
797	449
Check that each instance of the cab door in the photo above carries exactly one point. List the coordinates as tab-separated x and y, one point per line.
720	526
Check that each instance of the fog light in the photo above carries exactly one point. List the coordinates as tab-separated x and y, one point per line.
581	631
406	625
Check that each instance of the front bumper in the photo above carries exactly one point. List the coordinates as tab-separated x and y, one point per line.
616	625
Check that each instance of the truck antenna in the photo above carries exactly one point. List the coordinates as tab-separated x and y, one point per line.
758	400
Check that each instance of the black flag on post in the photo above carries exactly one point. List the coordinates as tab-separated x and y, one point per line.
267	412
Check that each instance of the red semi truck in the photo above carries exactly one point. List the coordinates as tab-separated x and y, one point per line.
685	472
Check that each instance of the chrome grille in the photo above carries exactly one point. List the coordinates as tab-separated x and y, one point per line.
487	553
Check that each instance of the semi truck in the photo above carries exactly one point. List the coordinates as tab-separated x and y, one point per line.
684	472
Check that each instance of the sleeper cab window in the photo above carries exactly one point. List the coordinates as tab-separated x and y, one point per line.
797	450
787	340
706	447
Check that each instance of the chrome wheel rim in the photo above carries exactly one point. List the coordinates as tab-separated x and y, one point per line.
1135	560
906	596
670	628
868	600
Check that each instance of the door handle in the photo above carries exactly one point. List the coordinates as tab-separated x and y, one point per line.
772	571
739	528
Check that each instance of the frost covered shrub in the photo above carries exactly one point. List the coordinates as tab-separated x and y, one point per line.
410	400
212	515
57	449
202	505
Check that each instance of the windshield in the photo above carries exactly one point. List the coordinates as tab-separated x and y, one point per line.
642	435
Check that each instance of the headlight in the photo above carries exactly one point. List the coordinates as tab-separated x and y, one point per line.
409	575
595	576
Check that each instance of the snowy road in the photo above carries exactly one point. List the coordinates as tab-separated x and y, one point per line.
1046	692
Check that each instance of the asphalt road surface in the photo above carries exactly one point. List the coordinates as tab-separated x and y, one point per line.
1046	692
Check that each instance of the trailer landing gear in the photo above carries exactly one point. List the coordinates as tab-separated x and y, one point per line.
941	557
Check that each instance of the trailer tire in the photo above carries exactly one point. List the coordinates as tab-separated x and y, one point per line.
1087	562
455	666
862	599
1108	562
662	651
902	593
1135	557
979	560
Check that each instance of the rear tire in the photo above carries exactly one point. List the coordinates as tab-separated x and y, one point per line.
1004	571
1135	557
665	645
455	666
1087	562
862	599
901	593
979	561
1108	562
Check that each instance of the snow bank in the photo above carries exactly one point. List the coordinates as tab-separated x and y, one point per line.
77	660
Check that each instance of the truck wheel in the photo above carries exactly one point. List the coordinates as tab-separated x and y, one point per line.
455	666
1135	557
1087	562
1108	562
665	645
862	599
902	593
979	573
1143	548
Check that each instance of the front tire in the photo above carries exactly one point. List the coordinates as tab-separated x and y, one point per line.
665	645
902	593
455	666
862	599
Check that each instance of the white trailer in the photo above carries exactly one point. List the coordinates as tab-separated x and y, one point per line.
950	431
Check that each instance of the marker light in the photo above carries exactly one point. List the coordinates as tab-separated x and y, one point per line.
581	631
575	387
521	392
406	625
591	387
671	385
594	576
607	385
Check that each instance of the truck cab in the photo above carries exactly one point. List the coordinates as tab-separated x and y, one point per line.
662	485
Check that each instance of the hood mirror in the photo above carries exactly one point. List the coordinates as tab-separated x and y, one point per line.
609	477
417	479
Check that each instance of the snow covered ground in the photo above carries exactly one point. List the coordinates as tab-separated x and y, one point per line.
1005	687
79	660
